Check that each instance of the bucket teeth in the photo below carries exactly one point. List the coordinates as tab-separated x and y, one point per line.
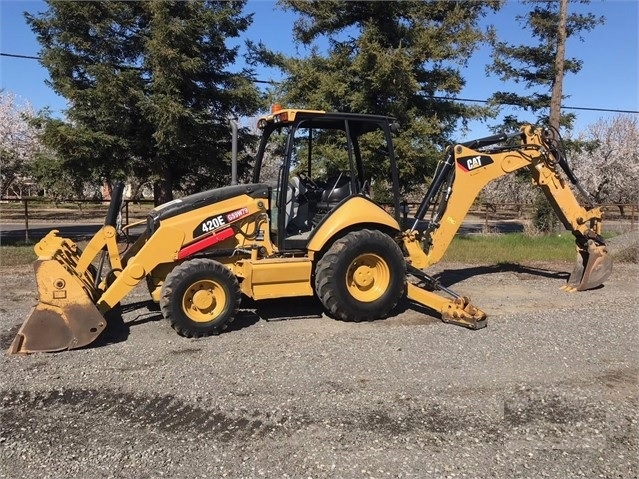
568	289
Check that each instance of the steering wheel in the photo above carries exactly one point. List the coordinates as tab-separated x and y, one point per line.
304	178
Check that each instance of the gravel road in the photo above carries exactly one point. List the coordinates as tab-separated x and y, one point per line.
548	389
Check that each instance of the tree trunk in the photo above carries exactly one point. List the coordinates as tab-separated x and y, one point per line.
136	189
555	100
163	190
106	190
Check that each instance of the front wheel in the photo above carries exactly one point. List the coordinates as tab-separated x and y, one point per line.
200	297
362	276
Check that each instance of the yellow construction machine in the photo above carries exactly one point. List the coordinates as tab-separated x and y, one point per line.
308	224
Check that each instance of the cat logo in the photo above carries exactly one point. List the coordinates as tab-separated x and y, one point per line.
470	163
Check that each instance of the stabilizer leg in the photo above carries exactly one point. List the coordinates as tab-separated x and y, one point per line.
457	310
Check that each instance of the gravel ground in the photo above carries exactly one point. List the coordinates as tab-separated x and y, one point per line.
548	389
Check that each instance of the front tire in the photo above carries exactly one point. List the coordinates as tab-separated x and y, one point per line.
200	297
361	277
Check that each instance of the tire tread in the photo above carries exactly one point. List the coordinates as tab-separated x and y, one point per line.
327	268
181	273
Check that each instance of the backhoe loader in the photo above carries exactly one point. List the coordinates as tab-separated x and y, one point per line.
308	224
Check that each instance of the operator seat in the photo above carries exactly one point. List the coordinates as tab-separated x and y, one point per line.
337	188
296	207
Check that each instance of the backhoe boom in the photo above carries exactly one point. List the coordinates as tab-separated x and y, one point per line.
464	172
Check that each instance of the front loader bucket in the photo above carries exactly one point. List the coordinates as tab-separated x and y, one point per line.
49	328
66	316
592	268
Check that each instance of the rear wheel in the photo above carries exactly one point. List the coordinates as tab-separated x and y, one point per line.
200	297
361	277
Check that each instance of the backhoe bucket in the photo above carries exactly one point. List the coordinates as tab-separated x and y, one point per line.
592	268
66	316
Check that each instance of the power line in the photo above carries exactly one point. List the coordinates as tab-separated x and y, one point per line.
29	57
514	104
269	82
447	98
597	109
19	56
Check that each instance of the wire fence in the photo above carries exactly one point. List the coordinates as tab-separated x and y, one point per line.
26	218
617	217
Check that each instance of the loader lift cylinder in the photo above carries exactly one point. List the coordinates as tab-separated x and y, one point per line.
111	219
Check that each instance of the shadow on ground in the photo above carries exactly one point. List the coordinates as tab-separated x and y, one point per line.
449	277
251	312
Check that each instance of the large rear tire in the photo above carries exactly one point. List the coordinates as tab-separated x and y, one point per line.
200	297
361	277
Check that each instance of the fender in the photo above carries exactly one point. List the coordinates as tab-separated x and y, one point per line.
356	210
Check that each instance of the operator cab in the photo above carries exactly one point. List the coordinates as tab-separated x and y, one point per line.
315	161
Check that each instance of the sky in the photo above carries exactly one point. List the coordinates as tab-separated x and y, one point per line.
608	79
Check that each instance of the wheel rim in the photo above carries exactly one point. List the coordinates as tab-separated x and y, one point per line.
367	278
204	300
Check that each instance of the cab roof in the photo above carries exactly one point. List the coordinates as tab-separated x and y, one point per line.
322	118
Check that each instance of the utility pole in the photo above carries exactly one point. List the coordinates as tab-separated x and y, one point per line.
555	100
234	127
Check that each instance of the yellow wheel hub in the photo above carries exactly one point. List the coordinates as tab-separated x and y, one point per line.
204	301
367	277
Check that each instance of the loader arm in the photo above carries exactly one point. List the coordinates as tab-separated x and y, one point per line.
465	171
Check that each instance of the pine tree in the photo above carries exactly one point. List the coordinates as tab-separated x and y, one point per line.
391	58
537	65
149	89
540	67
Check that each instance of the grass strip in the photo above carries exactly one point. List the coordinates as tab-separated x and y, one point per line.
511	248
17	254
